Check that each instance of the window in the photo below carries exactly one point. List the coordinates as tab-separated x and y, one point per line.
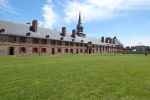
59	43
81	44
22	40
59	50
35	41
66	43
35	50
77	52
43	50
44	41
77	44
53	42
13	39
66	50
22	50
81	50
85	45
71	43
71	51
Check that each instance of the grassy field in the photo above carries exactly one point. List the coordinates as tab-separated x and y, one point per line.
75	77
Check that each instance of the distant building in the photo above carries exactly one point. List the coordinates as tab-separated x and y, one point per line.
139	49
142	49
23	39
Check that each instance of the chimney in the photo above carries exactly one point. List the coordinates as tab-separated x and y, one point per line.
106	40
34	25
102	39
74	33
64	31
109	40
114	40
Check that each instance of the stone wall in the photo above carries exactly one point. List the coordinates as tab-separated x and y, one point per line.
72	48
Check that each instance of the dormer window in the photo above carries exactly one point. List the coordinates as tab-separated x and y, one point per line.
73	39
47	36
61	38
82	41
2	30
28	34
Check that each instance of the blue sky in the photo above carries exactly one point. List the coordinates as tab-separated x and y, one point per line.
129	20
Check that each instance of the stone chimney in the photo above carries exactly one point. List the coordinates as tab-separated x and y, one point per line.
64	31
114	40
34	25
74	33
106	40
102	39
109	40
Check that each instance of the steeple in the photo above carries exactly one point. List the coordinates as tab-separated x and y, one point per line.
79	22
79	26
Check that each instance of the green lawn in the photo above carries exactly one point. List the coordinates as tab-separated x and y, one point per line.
75	77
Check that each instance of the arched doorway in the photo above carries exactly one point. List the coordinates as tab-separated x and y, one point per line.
53	50
11	51
77	51
71	51
90	51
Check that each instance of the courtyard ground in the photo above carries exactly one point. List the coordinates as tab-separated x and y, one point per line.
75	77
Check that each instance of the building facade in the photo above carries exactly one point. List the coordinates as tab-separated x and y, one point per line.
23	39
139	49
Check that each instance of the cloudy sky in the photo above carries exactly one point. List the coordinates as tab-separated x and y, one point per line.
129	20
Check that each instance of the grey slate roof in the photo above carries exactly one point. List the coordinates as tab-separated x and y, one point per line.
17	29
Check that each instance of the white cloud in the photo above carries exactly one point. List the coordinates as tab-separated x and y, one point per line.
90	9
101	9
133	41
50	17
5	6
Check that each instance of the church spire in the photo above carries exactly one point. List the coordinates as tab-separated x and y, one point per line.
79	22
79	26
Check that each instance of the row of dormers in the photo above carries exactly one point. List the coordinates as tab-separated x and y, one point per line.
63	33
12	28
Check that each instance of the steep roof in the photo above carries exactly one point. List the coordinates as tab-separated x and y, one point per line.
17	29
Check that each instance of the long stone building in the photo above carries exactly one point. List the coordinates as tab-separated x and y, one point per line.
26	39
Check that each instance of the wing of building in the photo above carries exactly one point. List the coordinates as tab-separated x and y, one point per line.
26	39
